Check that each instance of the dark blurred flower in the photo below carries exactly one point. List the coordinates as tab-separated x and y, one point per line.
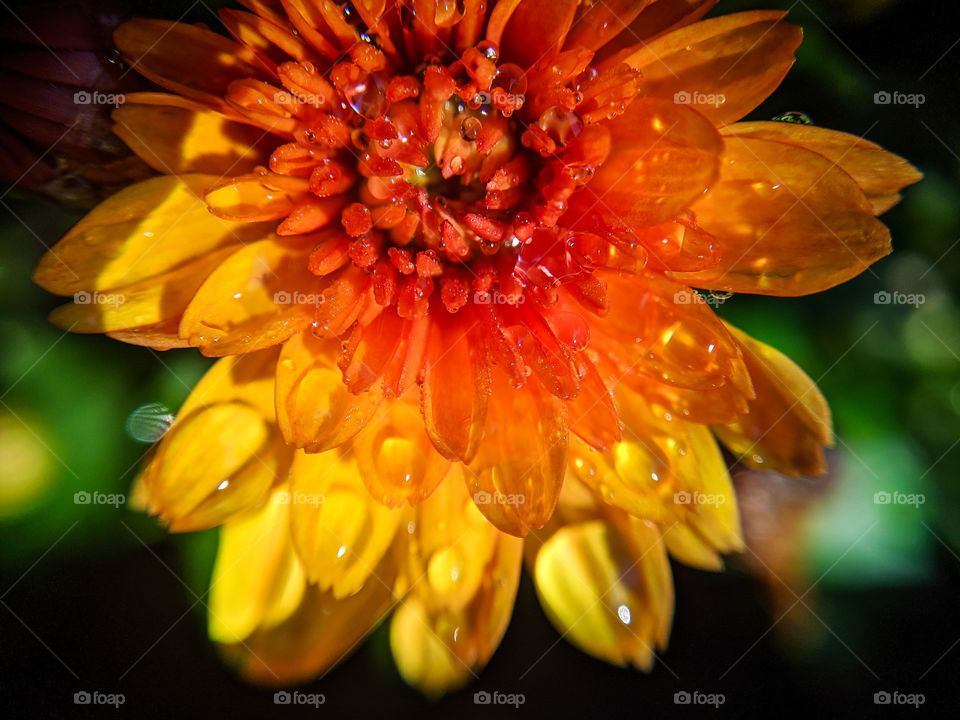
60	79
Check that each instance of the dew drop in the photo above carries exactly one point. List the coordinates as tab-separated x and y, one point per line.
797	118
560	124
488	49
148	423
470	129
367	96
623	612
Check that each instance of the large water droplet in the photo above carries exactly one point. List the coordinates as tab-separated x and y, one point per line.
367	96
470	128
148	423
560	124
797	118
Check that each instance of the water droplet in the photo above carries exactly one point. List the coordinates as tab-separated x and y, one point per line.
367	96
623	612
341	551
560	124
488	49
797	118
511	78
148	423
581	175
223	485
470	129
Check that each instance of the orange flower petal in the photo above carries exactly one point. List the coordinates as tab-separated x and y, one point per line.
175	140
339	531
656	19
518	470
663	156
659	328
259	296
593	414
143	231
880	174
536	30
456	385
597	23
788	424
397	462
790	222
724	67
715	406
258	197
170	53
314	408
275	43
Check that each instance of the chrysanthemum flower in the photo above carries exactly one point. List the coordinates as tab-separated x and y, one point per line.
447	250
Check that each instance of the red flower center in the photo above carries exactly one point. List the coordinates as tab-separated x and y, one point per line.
457	198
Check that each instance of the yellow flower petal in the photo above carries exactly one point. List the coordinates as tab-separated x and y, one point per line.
314	408
142	232
611	600
257	579
258	297
223	451
274	627
340	532
175	140
463	575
